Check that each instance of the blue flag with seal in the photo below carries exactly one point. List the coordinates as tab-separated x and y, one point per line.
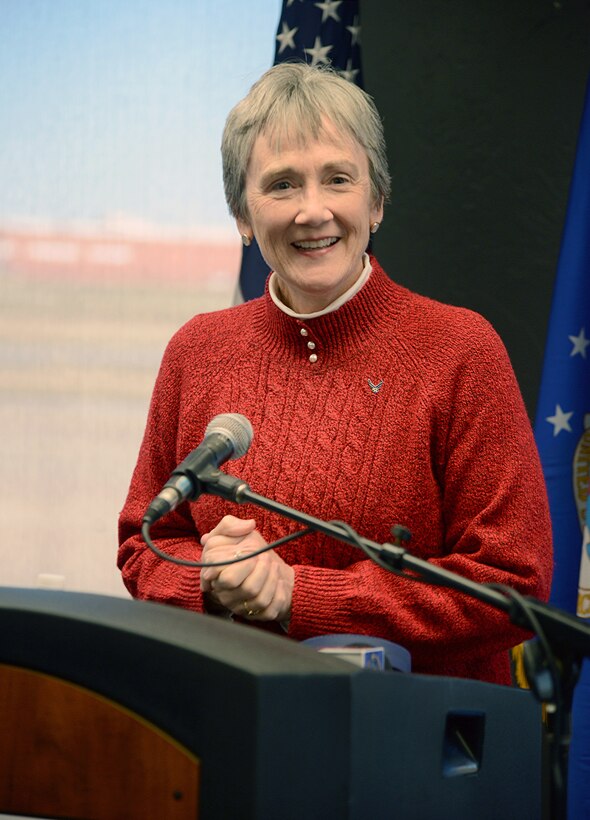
318	33
579	780
562	431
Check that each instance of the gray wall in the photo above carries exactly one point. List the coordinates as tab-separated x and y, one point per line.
482	103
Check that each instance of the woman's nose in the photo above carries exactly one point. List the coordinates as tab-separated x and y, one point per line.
313	207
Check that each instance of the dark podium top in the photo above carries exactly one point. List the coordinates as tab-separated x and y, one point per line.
281	730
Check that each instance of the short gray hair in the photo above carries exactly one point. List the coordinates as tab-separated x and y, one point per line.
290	100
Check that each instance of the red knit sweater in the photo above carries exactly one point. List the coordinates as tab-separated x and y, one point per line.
444	447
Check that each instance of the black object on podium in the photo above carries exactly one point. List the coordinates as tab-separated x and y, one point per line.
275	729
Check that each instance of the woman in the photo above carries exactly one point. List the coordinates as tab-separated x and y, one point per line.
370	404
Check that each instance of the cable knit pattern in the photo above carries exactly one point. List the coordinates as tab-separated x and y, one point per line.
444	447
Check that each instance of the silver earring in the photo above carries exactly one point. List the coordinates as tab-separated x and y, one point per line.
246	241
375	227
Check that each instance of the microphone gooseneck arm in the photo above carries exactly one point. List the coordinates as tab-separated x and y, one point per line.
562	636
564	639
556	623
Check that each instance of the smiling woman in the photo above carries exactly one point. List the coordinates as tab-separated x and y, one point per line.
369	404
310	208
307	175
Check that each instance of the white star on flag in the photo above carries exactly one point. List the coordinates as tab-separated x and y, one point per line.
287	37
580	343
318	53
560	421
329	9
355	31
350	74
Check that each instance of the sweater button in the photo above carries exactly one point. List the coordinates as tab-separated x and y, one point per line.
313	358
304	331
311	345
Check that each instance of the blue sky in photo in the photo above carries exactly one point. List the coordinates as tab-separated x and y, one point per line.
113	107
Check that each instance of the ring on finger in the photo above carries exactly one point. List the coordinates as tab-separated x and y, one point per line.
250	612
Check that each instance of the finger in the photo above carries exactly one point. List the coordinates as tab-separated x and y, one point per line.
225	553
273	602
263	601
257	589
232	572
233	527
221	548
260	584
265	594
232	577
231	541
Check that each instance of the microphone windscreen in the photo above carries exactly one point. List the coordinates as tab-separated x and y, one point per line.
234	427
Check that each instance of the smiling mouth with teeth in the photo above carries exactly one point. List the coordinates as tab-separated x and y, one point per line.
315	245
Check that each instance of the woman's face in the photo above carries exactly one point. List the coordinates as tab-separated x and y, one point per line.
310	209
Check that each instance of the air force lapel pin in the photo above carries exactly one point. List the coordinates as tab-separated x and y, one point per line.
375	388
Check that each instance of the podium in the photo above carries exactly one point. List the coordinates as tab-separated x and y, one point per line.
113	709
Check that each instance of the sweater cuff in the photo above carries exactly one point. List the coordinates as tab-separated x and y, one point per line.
320	606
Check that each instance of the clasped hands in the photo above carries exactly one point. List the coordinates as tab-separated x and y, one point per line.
260	588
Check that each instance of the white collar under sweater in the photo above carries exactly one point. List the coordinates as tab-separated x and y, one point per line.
273	290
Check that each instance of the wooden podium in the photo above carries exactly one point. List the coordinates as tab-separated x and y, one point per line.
113	709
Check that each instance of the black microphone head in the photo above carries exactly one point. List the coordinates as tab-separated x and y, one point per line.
234	427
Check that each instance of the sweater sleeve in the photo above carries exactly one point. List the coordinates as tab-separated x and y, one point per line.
495	528
146	575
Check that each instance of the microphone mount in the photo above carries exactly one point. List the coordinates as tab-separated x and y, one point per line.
565	640
563	637
557	624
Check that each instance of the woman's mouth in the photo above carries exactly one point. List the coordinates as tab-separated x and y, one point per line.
316	244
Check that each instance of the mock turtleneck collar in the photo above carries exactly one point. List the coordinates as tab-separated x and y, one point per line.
337	335
273	289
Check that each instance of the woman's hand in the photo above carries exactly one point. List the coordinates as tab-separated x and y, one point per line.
258	589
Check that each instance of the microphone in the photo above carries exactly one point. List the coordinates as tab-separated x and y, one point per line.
227	437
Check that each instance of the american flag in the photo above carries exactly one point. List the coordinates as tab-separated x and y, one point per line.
319	33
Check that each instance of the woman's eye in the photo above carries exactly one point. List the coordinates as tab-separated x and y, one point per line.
339	180
282	185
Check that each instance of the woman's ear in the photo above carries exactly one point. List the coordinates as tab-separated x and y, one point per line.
377	211
246	232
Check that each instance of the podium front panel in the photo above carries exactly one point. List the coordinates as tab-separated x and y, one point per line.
279	729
